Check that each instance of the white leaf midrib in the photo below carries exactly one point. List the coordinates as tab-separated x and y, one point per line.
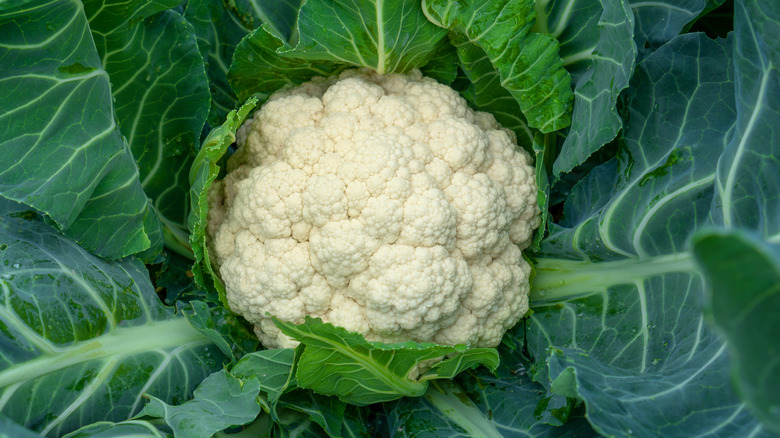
119	343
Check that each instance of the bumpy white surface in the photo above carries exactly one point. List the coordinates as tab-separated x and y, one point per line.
381	204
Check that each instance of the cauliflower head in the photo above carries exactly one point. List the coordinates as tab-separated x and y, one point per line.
381	204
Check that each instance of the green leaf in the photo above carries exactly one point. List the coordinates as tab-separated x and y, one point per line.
129	429
471	358
486	93
481	404
598	49
743	274
544	147
161	95
202	174
174	278
219	402
450	400
341	363
157	234
258	70
219	29
273	369
527	62
83	339
294	424
747	193
280	17
748	182
659	21
222	327
442	64
617	297
327	412
9	429
66	155
388	36
355	423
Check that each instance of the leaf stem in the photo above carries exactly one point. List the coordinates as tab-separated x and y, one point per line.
560	279
176	239
454	404
121	342
540	25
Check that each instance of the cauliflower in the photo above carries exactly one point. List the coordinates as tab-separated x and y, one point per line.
381	204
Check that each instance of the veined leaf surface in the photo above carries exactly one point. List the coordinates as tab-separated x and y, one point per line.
219	402
527	62
84	339
507	403
258	70
747	181
63	152
617	295
389	36
659	21
598	50
161	95
337	362
219	29
385	35
486	93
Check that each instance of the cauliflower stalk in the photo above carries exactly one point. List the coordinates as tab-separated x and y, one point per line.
381	204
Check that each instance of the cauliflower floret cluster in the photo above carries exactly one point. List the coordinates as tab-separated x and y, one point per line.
381	204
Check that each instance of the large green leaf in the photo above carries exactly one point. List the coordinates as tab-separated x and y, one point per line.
748	196
257	70
219	402
161	95
337	362
385	35
219	29
748	181
527	62
597	47
62	151
84	339
743	274
617	296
